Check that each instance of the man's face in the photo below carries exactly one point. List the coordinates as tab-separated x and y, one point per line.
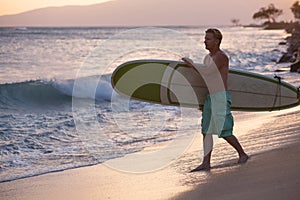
210	41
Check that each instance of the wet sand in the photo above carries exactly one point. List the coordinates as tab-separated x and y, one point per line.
272	171
269	175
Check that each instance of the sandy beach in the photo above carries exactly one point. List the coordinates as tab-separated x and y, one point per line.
272	171
270	175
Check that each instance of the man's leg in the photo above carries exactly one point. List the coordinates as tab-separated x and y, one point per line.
207	146
233	141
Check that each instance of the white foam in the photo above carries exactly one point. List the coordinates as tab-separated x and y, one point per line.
88	87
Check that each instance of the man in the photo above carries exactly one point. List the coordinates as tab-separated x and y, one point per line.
216	59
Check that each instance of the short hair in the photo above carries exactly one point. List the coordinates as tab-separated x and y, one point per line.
217	34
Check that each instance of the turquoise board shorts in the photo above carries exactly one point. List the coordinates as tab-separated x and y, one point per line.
217	119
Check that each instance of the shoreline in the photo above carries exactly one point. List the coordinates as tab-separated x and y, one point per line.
174	181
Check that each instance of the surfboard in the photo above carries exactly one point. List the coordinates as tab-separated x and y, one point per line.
174	83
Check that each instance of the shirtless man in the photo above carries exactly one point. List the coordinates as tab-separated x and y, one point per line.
212	41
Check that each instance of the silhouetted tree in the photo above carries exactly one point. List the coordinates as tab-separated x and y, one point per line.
235	22
270	13
296	10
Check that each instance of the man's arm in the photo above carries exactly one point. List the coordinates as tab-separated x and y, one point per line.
221	61
210	73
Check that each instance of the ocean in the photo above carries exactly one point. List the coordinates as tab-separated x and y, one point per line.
58	110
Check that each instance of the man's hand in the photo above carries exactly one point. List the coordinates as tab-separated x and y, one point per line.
188	61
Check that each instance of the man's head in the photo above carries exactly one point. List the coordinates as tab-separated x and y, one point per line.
213	38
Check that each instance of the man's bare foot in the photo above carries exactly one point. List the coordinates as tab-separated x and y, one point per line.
243	158
202	167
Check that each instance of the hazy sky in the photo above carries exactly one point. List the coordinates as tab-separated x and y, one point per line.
241	9
17	6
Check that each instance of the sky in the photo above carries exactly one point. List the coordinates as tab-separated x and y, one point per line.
240	9
8	7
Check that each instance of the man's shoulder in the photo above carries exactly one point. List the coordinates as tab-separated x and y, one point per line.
222	55
221	58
